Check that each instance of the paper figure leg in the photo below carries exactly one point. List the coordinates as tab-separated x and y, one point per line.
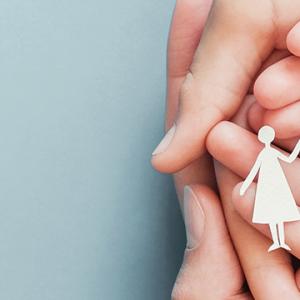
281	236
275	244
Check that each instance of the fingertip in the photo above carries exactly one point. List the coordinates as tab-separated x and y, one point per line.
159	160
179	155
168	164
209	202
206	260
293	40
227	142
159	165
260	92
186	142
278	85
223	131
178	148
265	96
259	116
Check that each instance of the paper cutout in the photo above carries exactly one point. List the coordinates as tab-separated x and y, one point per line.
274	201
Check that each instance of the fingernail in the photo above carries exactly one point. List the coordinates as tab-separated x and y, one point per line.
165	142
194	218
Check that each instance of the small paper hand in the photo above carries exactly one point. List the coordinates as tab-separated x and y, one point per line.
243	189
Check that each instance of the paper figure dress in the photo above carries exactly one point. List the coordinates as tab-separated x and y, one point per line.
274	201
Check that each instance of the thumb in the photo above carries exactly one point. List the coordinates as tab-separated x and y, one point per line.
209	257
231	50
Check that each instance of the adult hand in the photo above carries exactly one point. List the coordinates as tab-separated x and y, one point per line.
269	275
239	37
209	257
237	148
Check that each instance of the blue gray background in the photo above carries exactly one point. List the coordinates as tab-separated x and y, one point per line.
83	215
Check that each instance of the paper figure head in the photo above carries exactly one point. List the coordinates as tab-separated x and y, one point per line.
266	134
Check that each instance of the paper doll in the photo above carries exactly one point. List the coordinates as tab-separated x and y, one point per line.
274	201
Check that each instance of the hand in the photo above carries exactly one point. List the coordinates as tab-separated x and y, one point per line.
269	275
210	269
238	39
244	145
225	152
209	258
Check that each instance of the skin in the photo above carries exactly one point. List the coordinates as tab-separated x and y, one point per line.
250	31
269	275
262	273
199	267
219	136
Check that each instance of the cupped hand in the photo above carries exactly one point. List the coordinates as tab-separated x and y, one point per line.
269	275
211	269
239	37
209	258
236	147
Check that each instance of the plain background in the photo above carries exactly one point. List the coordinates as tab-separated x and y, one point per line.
83	214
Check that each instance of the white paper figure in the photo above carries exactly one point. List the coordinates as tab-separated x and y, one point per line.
274	201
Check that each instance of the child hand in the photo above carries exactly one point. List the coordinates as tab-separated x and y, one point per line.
237	148
205	263
262	269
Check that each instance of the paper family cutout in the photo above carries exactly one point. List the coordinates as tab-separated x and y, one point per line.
274	201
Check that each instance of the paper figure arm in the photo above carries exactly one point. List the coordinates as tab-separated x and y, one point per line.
249	179
292	156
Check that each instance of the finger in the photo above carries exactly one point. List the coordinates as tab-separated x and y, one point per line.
293	40
255	116
273	58
278	85
209	258
262	272
187	24
256	120
269	275
188	21
244	206
237	149
201	170
219	79
285	121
